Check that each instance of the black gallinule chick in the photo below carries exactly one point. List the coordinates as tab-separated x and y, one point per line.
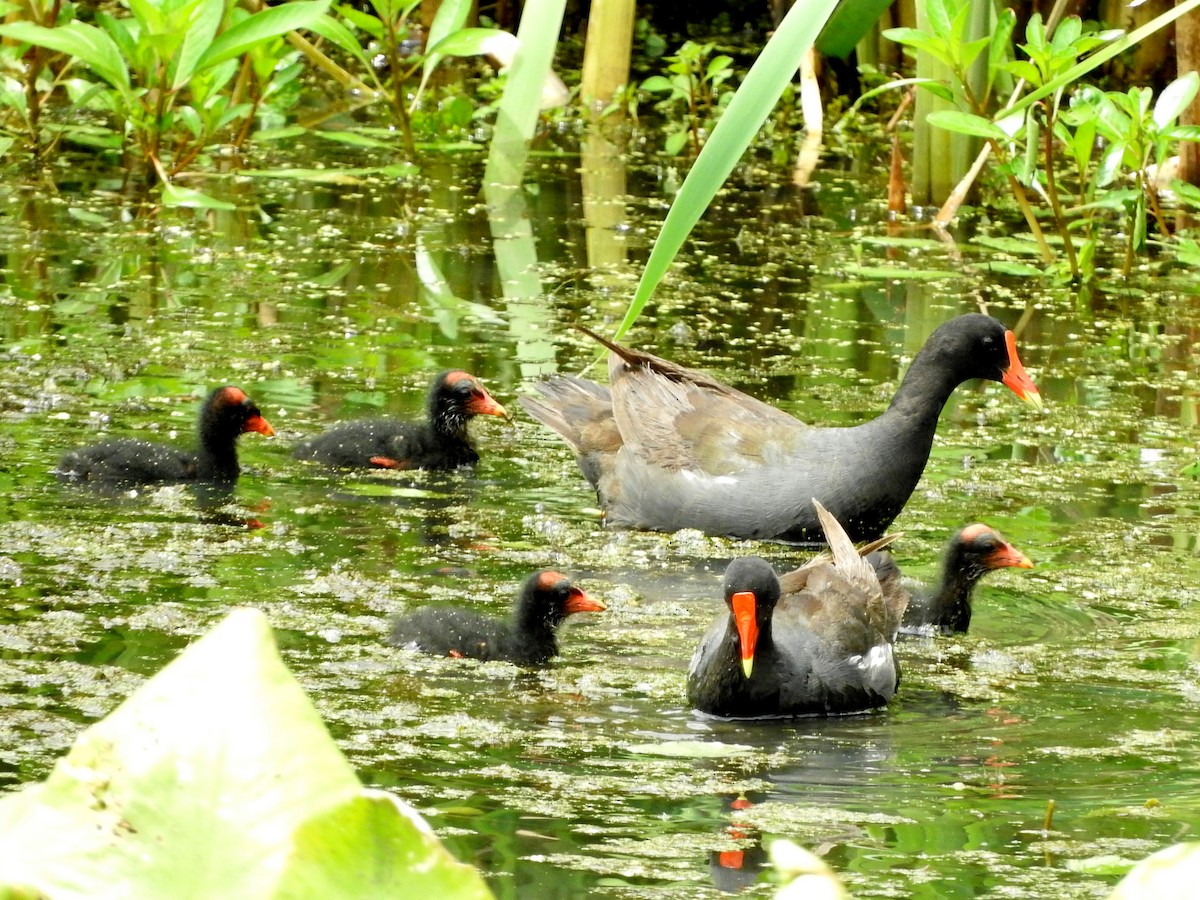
227	413
527	638
669	448
972	553
441	442
825	649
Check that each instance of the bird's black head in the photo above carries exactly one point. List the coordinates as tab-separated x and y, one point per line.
548	597
228	411
456	396
978	549
978	346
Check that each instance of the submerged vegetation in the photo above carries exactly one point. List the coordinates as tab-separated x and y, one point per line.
286	195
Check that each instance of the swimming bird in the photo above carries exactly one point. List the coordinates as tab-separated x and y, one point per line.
668	447
440	442
817	642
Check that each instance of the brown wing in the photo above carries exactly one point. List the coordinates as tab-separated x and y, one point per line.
579	410
840	595
678	418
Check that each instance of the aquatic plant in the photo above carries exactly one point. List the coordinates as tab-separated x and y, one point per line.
165	73
218	774
694	90
1061	117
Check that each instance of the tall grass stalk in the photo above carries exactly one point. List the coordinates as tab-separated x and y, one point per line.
517	115
745	115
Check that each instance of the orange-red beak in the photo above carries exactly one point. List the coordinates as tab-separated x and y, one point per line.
483	404
747	627
578	601
1007	555
259	424
1015	378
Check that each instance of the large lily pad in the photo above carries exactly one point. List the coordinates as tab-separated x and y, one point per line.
1167	874
217	778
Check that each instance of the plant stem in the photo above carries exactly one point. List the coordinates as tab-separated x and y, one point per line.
1026	209
1060	220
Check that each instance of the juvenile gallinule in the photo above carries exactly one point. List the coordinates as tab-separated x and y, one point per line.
826	649
227	413
669	448
527	638
972	553
441	442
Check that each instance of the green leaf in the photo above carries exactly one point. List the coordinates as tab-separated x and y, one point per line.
475	42
173	195
6	144
749	108
1103	55
1025	69
967	123
972	49
218	774
675	142
1000	48
1192	469
450	18
351	139
906	242
271	22
1184	133
150	15
655	84
691	749
923	43
279	134
333	176
87	43
1015	269
849	24
940	14
1015	245
1188	193
896	274
363	21
1175	98
338	34
202	27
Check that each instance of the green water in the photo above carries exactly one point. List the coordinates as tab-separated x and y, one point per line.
1079	682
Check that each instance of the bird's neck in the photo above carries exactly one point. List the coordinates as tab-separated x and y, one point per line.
217	455
926	387
449	424
951	605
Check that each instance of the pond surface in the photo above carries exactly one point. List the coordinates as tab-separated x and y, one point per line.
1079	682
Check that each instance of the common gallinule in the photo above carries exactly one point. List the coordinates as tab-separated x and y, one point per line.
226	413
825	649
669	448
972	553
441	442
527	638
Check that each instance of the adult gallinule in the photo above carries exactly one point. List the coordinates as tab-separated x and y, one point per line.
226	413
972	553
825	649
441	442
527	639
669	448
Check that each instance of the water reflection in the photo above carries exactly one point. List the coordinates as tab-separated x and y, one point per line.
1076	683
